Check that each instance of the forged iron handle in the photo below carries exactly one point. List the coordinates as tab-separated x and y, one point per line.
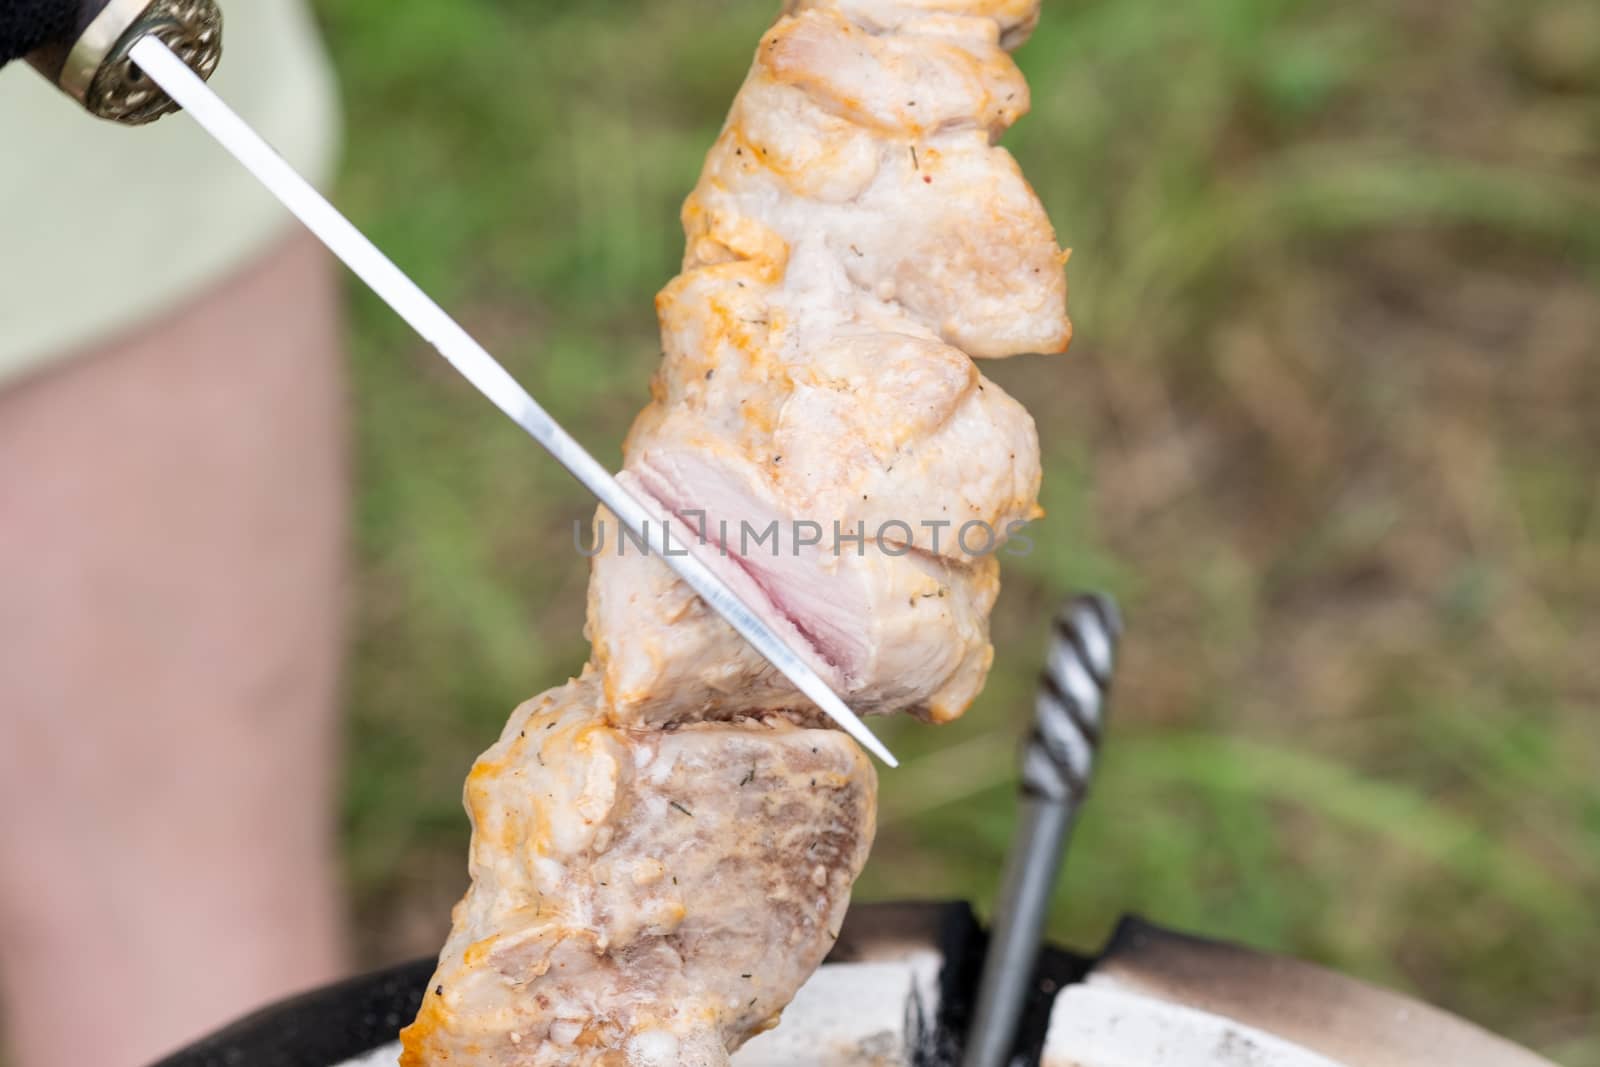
82	47
1057	762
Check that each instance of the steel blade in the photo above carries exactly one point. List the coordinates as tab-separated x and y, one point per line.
474	363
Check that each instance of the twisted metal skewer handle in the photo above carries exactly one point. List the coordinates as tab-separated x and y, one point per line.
1069	712
1069	721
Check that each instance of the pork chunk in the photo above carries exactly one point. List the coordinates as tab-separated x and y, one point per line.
642	898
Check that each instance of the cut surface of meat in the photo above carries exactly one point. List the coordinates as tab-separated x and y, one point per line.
892	629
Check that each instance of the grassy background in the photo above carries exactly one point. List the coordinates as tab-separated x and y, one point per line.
1328	431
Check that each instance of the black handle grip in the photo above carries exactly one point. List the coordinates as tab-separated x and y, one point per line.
26	25
91	61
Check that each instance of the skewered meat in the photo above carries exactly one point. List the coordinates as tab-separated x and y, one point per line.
662	848
653	897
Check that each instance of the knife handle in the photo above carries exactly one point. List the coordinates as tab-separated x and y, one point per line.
90	63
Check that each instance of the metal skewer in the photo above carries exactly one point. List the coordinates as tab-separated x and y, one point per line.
1057	761
478	367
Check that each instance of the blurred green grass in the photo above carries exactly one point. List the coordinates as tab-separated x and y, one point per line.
1328	430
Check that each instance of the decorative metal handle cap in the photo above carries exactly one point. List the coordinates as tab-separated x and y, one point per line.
96	70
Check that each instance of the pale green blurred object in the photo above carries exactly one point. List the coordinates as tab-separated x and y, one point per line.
112	226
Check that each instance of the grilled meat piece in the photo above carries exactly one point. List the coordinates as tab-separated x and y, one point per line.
642	897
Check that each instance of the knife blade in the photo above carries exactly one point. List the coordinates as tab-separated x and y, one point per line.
473	361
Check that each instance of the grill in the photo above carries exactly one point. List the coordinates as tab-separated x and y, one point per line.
900	987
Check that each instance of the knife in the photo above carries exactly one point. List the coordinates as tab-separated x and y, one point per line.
128	44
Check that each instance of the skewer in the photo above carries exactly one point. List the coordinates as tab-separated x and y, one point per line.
474	363
1057	761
